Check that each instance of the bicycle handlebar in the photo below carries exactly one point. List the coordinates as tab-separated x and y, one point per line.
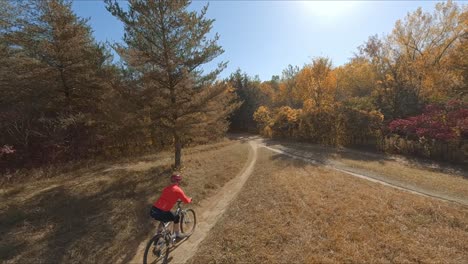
179	201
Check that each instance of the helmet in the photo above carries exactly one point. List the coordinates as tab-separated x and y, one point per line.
176	178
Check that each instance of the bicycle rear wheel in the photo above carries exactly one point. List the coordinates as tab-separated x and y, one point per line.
157	250
188	221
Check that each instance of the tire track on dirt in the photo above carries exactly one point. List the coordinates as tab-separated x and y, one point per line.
208	213
365	177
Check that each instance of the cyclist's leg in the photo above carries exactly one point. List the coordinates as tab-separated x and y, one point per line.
176	219
161	216
155	214
160	226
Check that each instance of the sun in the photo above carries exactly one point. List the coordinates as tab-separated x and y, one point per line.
329	10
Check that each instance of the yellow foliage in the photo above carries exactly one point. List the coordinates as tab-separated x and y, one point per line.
317	82
282	94
334	124
285	121
425	42
289	114
355	79
262	116
309	105
268	91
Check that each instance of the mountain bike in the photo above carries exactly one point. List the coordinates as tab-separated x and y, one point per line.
157	249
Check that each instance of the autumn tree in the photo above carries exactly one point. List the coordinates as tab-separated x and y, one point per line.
264	119
413	62
356	78
458	60
356	82
287	88
167	45
316	83
424	41
55	82
286	122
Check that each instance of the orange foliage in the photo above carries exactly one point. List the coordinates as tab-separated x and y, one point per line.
317	82
263	118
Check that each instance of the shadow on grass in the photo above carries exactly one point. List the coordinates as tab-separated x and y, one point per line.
321	153
242	137
338	156
59	226
297	161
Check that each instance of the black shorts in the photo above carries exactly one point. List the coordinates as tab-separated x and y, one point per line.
164	216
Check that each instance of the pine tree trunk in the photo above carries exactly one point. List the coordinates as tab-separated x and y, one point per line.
178	152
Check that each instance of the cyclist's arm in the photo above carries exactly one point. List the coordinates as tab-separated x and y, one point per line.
184	198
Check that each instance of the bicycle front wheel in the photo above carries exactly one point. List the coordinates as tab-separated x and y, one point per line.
188	221
157	250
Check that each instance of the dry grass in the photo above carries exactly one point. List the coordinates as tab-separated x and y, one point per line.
100	214
78	168
437	179
445	184
293	212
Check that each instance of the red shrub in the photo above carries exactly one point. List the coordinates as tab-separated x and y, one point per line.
440	122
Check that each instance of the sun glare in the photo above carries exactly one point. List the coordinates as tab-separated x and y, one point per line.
328	10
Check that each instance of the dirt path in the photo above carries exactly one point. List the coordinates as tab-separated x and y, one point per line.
211	209
297	154
208	213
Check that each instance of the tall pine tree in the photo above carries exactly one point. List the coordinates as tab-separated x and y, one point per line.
55	83
167	45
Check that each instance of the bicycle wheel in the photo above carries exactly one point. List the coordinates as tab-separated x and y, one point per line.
188	221
157	250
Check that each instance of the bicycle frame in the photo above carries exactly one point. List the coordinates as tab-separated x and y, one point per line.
163	227
163	240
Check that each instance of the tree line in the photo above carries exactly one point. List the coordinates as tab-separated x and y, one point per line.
411	83
62	98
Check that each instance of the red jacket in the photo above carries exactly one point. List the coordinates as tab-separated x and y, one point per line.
169	197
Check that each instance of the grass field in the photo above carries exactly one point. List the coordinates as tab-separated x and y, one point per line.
438	179
445	184
293	212
100	214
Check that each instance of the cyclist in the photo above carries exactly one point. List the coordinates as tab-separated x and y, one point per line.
161	210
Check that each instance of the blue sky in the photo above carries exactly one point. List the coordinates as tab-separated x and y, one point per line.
263	37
